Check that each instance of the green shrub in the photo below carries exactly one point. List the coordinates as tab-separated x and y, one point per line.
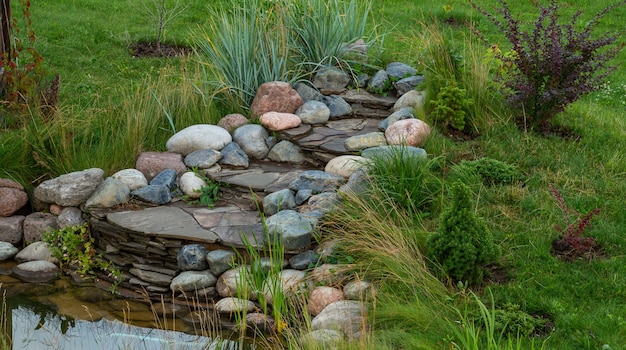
463	245
486	170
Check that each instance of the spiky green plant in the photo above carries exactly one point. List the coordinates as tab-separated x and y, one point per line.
244	46
320	30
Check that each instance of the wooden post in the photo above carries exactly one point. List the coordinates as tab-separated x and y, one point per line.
5	28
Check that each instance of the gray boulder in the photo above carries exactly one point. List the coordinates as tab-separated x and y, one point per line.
191	281
308	93
233	155
338	106
379	82
70	190
7	251
286	152
109	193
317	181
198	137
37	223
313	112
293	230
12	229
192	257
35	251
251	138
70	216
399	70
203	159
279	200
347	316
331	78
36	271
132	178
220	261
155	194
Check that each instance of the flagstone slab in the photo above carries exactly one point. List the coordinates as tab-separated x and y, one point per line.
226	216
167	222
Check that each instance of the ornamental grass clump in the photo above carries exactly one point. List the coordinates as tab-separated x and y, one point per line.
463	245
553	64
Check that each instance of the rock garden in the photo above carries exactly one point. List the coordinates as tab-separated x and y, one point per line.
275	180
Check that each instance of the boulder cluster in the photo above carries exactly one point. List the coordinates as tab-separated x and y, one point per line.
278	155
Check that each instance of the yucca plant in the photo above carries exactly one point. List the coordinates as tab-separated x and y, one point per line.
244	46
320	30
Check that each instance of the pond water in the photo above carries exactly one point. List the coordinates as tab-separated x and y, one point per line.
69	316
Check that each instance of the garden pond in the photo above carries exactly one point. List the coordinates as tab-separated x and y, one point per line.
66	315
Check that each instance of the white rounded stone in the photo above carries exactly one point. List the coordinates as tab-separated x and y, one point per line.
191	184
198	137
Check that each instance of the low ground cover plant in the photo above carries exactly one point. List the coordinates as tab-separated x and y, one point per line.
75	249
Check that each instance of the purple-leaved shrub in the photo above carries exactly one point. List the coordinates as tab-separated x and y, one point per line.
553	64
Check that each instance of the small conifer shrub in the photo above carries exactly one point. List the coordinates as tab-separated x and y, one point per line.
451	106
463	245
553	64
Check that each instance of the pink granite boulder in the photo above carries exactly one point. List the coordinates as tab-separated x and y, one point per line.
277	121
323	296
12	197
410	132
275	96
231	122
152	163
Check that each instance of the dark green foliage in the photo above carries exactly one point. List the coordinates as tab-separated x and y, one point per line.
510	319
555	64
463	245
488	171
451	106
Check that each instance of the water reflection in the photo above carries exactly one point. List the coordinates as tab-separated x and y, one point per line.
50	331
63	315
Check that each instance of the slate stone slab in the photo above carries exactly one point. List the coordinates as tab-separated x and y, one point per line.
163	221
232	235
233	216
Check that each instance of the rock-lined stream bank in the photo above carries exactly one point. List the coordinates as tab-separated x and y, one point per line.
311	145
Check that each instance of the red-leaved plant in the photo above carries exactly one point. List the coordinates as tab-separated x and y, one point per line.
572	234
553	64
